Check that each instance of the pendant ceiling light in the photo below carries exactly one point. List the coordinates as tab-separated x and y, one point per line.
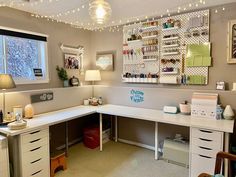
100	11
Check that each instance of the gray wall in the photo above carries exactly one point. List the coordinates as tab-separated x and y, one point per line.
154	98
58	33
220	71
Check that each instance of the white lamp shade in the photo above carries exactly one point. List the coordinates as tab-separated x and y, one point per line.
6	81
92	75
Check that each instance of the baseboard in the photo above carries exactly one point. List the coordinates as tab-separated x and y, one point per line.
137	144
75	141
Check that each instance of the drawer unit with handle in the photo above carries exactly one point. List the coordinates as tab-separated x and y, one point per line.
204	146
34	153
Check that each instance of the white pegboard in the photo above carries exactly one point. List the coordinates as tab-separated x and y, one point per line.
184	41
136	64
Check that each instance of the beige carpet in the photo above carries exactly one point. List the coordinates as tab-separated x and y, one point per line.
118	160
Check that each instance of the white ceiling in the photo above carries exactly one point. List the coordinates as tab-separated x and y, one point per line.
122	10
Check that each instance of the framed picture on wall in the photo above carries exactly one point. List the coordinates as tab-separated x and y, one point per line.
220	85
72	61
105	61
231	53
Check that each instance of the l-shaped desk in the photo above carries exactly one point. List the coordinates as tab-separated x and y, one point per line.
217	130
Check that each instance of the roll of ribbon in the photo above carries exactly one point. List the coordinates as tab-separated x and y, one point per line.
169	80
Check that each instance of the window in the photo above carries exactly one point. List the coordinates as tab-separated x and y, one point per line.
22	55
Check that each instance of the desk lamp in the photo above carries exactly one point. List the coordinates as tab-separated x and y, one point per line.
6	82
92	75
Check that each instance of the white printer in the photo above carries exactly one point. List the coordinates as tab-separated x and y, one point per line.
176	152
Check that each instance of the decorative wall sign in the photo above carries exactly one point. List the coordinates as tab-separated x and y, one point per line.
71	61
42	97
136	96
105	62
231	58
38	72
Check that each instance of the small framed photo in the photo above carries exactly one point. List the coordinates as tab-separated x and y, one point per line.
72	61
220	85
105	62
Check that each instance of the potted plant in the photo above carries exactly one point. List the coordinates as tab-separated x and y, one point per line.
62	74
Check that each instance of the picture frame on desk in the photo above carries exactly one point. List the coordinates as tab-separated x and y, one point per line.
231	46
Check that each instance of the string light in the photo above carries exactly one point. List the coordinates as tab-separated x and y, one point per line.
60	17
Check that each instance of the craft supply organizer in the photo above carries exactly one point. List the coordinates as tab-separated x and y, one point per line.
170	50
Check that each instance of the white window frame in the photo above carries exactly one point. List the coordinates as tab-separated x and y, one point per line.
43	80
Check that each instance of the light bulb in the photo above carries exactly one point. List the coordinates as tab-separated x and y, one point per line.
100	12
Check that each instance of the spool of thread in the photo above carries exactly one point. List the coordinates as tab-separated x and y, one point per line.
169	80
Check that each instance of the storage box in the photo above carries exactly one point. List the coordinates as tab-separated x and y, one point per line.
204	105
91	137
177	152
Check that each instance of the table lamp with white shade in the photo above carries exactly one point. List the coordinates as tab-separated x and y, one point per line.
6	82
92	75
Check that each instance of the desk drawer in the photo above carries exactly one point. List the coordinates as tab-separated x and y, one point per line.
39	173
201	164
36	167
205	151
35	144
207	143
207	134
35	154
33	136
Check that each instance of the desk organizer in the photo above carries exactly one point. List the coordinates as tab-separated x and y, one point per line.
149	47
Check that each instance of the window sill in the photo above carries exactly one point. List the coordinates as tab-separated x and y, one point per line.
24	82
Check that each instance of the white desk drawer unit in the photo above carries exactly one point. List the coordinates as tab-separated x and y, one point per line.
34	153
204	146
4	159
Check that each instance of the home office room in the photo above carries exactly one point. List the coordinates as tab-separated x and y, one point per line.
106	88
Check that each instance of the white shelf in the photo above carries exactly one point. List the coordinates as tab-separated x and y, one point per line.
169	29
151	59
150	27
170	53
171	38
140	80
170	73
175	72
169	46
149	37
134	41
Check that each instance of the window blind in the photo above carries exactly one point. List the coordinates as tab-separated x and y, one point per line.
22	35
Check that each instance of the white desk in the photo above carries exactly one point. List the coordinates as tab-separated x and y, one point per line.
156	116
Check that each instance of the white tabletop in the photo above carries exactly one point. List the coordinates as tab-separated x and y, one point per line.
51	118
55	117
160	116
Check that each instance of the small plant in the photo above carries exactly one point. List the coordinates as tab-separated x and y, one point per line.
62	74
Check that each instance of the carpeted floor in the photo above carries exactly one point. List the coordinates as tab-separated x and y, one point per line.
118	160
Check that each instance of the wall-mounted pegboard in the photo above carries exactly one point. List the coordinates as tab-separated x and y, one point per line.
159	48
